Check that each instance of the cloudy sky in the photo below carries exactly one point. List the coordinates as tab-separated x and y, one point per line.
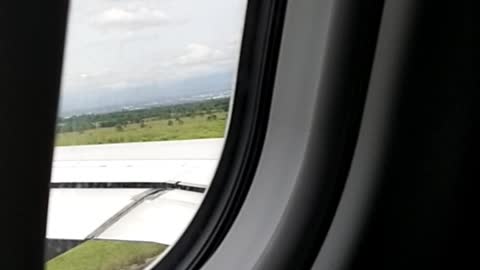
118	44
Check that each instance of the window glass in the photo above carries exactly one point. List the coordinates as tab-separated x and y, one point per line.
146	93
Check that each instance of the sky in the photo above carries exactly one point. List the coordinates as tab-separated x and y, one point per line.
124	44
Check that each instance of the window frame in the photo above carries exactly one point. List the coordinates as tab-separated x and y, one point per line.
295	194
31	50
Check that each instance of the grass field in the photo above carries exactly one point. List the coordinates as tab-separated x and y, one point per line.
152	130
107	255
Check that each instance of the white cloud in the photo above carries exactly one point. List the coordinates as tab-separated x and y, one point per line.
122	44
196	60
132	18
200	54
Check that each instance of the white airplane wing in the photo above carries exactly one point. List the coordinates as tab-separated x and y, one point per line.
132	191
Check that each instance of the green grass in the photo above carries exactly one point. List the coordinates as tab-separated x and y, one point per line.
107	255
154	130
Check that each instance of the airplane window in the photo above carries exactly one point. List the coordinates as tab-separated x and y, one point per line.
146	94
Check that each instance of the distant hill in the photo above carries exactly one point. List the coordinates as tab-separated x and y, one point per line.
145	96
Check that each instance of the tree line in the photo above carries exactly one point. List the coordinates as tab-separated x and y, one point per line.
79	123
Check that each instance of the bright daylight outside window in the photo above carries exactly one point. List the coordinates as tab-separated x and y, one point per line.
145	99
